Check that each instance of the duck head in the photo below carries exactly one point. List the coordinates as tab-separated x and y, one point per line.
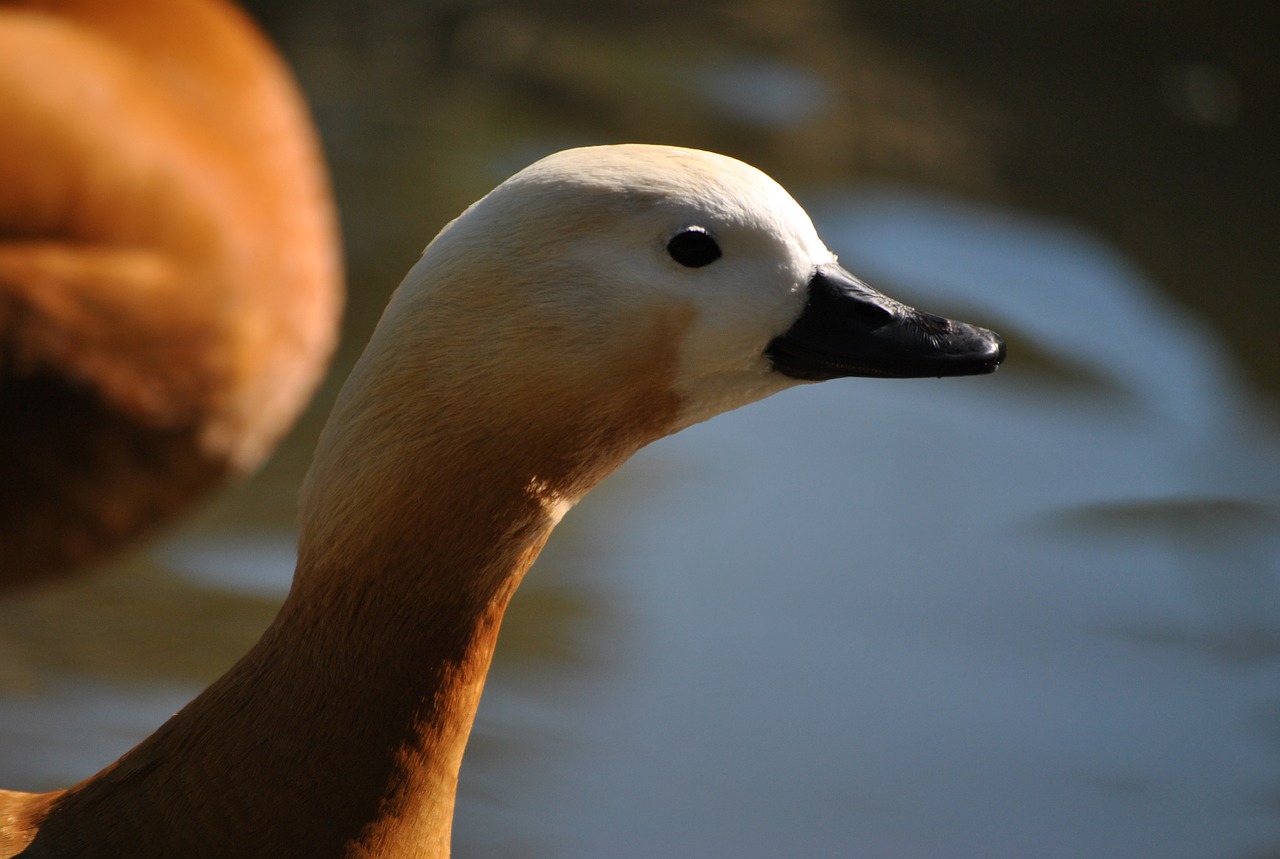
606	296
563	261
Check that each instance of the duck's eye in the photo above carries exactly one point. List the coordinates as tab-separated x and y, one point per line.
693	247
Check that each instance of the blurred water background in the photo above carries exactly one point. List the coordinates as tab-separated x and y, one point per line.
1035	614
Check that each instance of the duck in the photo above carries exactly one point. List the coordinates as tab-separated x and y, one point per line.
598	300
170	268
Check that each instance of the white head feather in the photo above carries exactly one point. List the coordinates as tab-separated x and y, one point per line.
587	231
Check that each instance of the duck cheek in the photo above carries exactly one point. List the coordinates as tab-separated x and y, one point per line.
707	390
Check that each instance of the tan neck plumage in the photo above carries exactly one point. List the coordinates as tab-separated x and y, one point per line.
341	733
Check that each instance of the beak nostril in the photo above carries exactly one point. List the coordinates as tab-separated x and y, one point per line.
935	324
849	301
866	313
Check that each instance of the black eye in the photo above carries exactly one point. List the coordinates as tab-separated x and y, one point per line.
693	248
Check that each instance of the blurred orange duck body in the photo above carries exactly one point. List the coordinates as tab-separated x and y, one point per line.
169	267
596	301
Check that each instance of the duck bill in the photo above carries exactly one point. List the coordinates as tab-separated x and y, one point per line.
849	329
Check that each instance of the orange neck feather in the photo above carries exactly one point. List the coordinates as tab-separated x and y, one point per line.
340	734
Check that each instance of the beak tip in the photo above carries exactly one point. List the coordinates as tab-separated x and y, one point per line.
994	354
1001	350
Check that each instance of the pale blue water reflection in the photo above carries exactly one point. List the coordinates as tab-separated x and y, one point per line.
72	727
1034	614
763	93
260	563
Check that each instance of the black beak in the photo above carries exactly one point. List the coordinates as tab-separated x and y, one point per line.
849	329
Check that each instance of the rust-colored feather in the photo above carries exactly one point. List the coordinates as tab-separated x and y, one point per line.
169	267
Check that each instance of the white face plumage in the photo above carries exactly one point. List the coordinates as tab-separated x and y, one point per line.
596	238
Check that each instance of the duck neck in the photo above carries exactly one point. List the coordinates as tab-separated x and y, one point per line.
342	732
